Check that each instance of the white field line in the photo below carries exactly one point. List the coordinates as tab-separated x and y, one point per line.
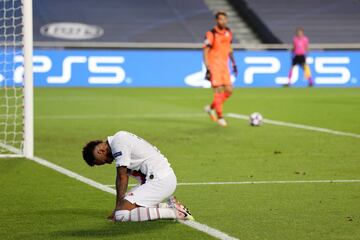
125	116
196	225
294	125
191	115
208	230
259	182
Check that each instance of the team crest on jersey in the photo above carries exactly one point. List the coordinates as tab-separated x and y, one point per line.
227	33
117	154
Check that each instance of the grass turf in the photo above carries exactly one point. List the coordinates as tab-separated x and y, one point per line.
42	204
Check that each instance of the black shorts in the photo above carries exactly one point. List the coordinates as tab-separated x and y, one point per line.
299	60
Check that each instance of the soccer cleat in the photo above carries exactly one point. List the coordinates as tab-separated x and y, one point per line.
181	215
222	122
181	211
211	113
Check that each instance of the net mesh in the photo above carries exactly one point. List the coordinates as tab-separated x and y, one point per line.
11	77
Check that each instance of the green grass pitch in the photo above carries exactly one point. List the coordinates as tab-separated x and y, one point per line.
39	203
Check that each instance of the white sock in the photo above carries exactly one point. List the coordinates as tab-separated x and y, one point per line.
144	214
163	205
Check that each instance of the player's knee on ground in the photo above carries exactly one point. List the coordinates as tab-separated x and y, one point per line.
144	214
135	215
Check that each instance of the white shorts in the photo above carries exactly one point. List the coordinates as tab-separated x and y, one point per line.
153	191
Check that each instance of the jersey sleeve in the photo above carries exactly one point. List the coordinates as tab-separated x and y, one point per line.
209	39
121	152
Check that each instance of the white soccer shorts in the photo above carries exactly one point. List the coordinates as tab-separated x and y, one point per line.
153	191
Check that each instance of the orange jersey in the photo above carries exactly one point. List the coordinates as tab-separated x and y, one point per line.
219	42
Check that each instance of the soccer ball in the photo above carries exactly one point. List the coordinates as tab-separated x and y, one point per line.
255	119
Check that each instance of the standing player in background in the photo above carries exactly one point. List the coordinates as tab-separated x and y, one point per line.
300	50
217	51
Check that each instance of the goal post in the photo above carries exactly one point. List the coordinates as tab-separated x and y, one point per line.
16	79
28	148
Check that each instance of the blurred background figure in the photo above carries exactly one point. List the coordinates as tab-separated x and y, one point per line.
299	52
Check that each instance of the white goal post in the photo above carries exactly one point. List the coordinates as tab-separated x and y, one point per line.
16	79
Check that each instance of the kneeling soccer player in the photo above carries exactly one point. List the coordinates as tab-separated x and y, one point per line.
137	158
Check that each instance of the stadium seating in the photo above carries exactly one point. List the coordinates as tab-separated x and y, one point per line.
126	21
325	21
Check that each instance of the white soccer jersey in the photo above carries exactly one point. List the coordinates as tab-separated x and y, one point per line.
137	154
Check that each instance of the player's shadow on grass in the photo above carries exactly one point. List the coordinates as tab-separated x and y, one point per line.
97	225
73	212
113	229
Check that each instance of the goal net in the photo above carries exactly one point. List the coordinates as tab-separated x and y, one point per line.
15	78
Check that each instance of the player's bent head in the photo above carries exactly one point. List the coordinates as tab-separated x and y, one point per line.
97	152
221	19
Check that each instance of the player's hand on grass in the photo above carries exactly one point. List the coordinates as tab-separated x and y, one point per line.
235	70
208	74
112	216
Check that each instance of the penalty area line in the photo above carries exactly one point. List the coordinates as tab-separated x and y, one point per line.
295	125
193	224
122	116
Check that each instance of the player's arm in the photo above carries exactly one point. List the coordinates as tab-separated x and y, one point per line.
122	180
121	184
232	59
209	40
205	56
206	62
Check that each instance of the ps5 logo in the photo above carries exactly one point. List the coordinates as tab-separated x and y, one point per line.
329	70
106	69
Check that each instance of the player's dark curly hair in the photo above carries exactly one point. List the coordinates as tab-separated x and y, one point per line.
220	13
88	150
